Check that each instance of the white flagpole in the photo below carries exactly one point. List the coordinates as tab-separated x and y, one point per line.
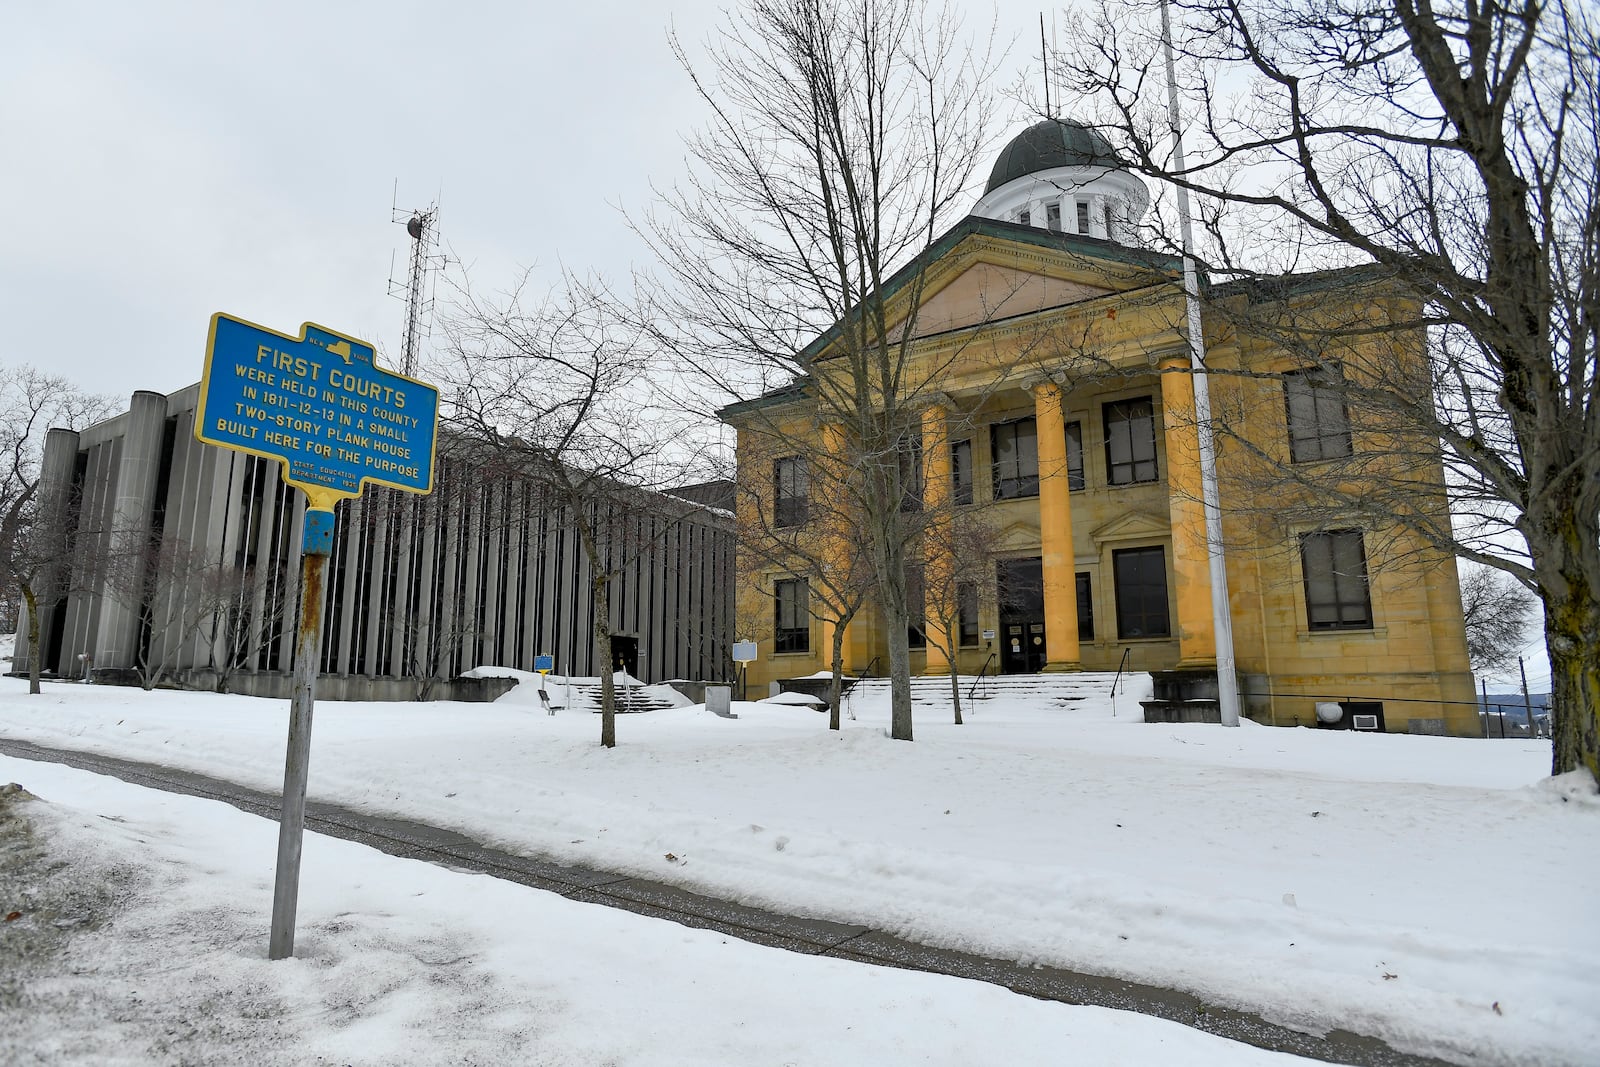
1221	617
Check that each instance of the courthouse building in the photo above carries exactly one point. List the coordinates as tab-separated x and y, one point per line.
1059	414
484	571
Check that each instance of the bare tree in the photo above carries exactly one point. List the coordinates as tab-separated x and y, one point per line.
174	592
35	527
1451	152
959	547
843	137
559	392
814	536
1496	608
248	615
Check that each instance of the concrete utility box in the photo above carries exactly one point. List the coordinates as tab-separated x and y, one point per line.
1183	696
719	701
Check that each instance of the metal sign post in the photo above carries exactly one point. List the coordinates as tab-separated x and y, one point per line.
297	763
319	406
544	665
744	653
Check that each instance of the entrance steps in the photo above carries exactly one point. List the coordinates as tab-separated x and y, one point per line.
631	699
932	692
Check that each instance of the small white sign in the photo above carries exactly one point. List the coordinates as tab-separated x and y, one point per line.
988	635
744	651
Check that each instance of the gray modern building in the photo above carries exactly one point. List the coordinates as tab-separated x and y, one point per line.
187	556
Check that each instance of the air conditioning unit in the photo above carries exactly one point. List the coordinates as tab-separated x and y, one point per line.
1363	722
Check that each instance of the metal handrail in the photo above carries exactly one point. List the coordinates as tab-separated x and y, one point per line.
846	705
1118	678
981	672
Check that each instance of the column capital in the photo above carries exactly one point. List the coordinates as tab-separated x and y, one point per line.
1172	359
1045	383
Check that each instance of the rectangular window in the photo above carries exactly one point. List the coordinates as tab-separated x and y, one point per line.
1319	422
1141	576
1074	455
916	607
790	491
1335	567
1083	217
1085	607
1025	216
1015	448
792	632
967	613
961	472
1130	441
1052	217
909	453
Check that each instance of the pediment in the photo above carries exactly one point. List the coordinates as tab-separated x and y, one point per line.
1131	526
986	292
1018	535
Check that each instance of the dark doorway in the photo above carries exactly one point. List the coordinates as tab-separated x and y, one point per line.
625	655
1022	641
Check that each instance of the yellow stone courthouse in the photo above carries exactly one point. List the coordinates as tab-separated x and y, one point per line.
1057	415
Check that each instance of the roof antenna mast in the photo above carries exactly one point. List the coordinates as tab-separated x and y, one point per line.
1044	58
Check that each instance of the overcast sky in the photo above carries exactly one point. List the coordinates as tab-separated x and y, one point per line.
164	161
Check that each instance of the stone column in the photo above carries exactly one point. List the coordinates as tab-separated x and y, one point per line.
1057	557
938	564
1191	562
48	541
133	502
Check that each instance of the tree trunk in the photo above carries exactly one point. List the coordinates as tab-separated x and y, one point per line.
836	692
602	652
955	688
33	638
1571	628
1568	572
890	557
1574	690
899	680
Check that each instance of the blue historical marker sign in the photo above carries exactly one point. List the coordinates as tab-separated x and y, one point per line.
319	405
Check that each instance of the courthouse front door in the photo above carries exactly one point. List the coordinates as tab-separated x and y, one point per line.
1021	589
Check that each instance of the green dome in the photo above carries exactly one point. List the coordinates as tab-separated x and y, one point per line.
1047	145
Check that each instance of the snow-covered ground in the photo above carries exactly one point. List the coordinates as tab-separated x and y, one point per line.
1432	891
400	962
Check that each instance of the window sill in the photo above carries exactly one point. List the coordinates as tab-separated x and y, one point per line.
1351	631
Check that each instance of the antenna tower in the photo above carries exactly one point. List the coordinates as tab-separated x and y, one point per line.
417	287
